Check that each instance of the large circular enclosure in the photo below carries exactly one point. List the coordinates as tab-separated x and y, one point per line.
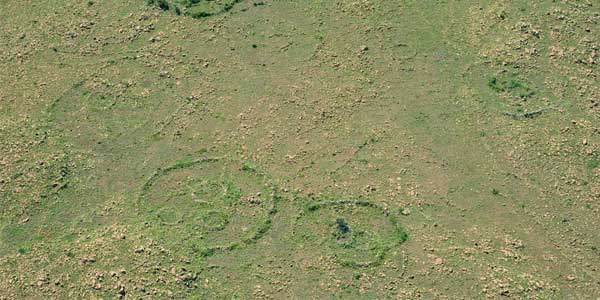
354	233
208	204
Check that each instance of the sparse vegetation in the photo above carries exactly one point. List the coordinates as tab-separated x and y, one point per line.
268	149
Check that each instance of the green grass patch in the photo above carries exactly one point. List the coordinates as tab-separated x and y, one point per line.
510	83
592	164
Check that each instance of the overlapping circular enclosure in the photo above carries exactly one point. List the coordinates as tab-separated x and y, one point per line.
208	204
354	233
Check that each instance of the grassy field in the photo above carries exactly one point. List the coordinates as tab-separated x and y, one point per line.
309	149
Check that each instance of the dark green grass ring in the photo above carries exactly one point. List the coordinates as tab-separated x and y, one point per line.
209	204
355	233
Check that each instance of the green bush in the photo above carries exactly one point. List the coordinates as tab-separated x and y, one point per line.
162	4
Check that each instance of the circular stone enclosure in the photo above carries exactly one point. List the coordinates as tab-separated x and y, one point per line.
208	205
354	233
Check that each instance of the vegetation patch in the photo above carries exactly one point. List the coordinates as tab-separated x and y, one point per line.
48	191
593	163
510	83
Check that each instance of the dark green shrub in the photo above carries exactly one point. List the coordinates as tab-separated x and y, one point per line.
162	4
201	14
341	226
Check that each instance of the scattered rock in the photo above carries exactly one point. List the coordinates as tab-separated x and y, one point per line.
164	73
86	260
120	289
43	279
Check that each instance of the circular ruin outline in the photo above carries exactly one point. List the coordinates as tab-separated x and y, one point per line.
262	227
399	233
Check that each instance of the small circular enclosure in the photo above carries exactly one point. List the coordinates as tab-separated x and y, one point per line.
354	233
